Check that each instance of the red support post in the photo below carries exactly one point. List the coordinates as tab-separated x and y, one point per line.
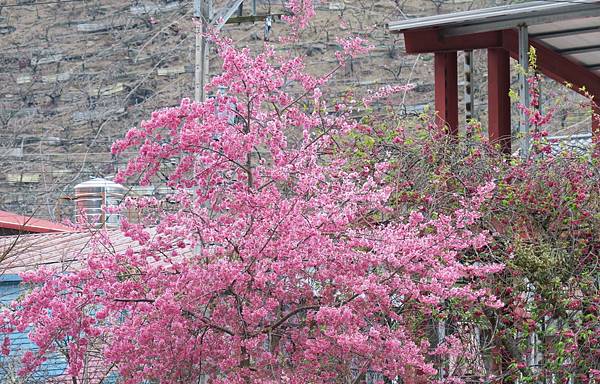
499	129
446	91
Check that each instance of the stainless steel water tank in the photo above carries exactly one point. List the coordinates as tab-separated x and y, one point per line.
92	195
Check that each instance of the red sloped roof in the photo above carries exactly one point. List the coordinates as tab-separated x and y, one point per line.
11	220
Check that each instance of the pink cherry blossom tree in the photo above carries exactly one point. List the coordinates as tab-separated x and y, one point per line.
274	260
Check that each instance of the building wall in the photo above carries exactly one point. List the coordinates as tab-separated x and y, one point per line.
54	368
10	289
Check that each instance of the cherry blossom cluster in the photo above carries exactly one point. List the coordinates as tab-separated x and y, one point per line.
273	260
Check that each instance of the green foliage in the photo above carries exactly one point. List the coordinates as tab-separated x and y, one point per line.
544	219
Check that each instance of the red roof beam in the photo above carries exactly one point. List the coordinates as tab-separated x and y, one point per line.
431	40
555	65
550	63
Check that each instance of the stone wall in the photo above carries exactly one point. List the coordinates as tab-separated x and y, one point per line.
77	74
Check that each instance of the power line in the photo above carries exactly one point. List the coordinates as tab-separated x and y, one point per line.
41	3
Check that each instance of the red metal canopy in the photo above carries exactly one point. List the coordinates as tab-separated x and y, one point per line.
561	35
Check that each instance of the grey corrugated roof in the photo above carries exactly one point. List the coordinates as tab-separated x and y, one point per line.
65	251
580	143
530	13
571	28
60	251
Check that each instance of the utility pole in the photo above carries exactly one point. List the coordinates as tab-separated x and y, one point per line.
524	88
469	82
198	93
204	18
202	13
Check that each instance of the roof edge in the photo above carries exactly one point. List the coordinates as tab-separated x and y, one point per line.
532	12
9	220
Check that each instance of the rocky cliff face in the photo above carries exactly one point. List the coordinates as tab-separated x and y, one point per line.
75	75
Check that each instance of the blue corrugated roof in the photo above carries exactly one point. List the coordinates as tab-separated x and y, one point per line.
54	366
